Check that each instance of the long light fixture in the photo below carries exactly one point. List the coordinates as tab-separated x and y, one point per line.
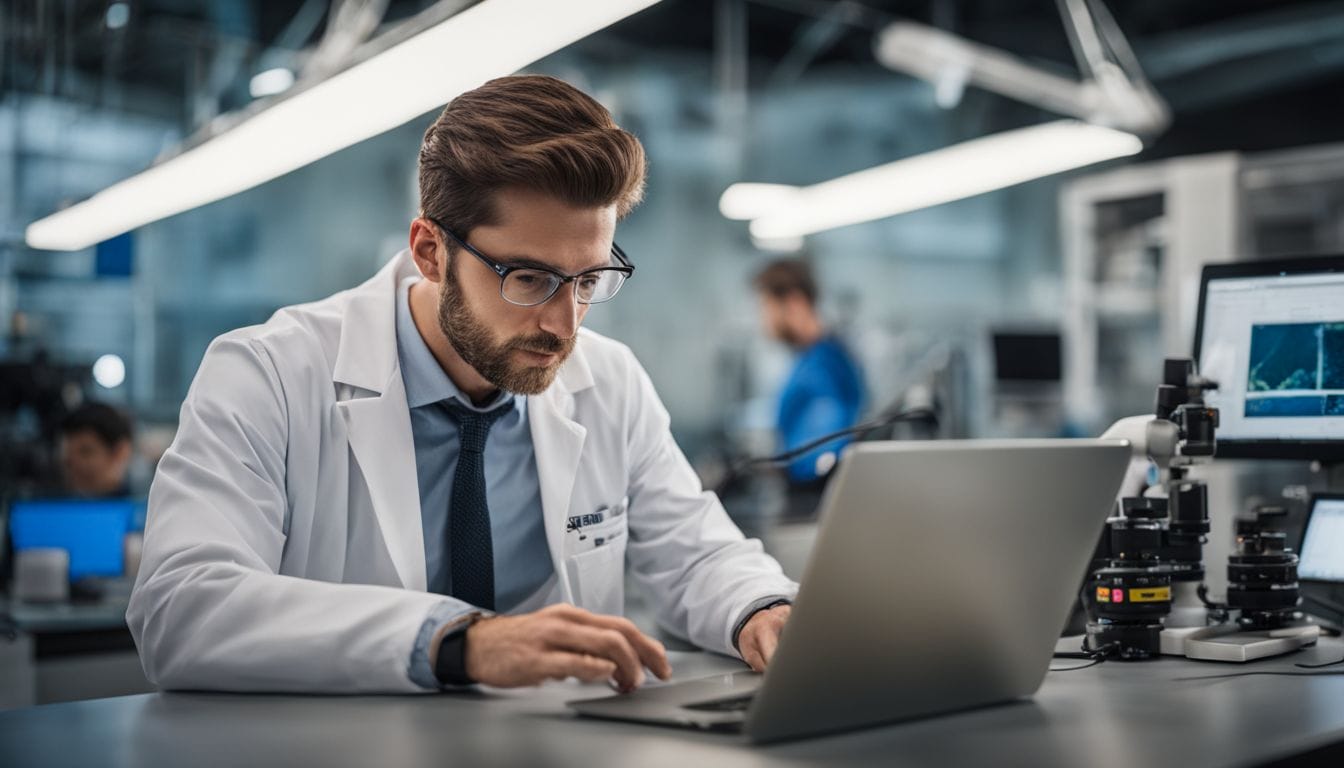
952	173
489	39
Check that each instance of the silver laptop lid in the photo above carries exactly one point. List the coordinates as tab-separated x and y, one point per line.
941	577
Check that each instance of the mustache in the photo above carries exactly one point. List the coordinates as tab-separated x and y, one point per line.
543	343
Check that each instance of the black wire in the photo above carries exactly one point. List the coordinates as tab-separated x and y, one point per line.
1267	673
1098	656
1092	663
736	471
1318	666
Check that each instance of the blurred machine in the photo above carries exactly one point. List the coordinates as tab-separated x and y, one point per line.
35	395
1028	370
1027	356
92	531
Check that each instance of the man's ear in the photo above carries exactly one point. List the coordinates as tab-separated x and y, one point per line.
425	250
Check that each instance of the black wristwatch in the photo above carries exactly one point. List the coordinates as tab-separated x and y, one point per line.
450	666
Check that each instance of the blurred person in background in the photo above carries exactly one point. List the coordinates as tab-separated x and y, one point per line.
96	451
824	392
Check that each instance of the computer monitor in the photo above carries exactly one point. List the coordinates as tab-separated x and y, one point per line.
1321	555
90	530
1271	333
1021	356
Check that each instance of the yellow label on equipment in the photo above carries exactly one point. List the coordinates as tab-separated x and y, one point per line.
1103	594
1150	595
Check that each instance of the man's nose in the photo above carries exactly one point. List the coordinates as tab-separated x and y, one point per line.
560	314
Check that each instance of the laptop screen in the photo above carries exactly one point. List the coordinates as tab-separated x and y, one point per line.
1322	557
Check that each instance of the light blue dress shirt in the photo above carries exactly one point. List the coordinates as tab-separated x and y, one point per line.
522	557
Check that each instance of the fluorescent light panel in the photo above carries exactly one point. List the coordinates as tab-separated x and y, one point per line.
424	72
959	171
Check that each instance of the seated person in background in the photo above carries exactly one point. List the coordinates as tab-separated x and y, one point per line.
96	451
825	391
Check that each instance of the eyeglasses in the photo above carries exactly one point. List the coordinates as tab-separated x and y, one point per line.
529	286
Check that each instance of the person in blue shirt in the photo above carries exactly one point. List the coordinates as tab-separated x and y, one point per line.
825	392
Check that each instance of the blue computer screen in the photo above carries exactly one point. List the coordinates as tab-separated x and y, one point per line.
90	530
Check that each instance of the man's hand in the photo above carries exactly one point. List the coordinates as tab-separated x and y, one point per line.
562	641
759	638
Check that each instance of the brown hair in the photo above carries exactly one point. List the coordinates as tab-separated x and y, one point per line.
786	276
528	131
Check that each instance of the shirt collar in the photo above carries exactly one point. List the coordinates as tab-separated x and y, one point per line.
426	381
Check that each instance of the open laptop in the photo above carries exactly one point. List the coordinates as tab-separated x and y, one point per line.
941	577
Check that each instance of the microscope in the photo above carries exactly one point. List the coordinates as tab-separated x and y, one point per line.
1148	568
1145	595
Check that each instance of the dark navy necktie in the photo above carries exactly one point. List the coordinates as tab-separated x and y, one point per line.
470	545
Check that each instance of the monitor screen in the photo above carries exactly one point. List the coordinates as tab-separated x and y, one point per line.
1272	335
90	530
1322	553
1027	356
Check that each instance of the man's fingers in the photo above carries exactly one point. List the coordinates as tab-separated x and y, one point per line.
605	643
769	641
562	664
652	654
752	655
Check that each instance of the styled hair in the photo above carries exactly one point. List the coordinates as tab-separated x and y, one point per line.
109	424
528	131
783	277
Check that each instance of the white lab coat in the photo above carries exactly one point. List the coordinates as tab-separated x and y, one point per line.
283	547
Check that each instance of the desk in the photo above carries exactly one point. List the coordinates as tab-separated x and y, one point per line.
1114	714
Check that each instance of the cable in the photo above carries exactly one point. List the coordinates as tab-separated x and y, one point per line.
1266	673
738	469
1092	663
1318	666
1098	656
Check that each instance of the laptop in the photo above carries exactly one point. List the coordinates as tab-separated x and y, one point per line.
941	577
1321	554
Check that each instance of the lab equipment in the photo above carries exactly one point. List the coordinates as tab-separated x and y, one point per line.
1262	573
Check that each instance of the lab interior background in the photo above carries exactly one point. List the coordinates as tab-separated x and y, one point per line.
1104	258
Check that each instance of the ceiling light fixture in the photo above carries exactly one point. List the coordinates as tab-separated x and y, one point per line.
951	173
379	93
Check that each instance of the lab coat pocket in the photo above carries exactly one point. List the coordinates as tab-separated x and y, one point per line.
597	575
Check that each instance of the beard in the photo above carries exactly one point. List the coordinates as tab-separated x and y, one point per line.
494	361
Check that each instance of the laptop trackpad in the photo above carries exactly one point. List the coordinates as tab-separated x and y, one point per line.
707	702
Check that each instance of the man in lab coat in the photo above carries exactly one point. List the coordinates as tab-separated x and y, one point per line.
437	477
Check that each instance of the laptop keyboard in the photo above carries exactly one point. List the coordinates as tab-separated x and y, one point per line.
734	704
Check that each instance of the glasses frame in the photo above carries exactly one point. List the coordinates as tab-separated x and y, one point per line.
503	270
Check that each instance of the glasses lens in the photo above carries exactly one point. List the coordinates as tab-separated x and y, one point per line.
529	286
597	287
